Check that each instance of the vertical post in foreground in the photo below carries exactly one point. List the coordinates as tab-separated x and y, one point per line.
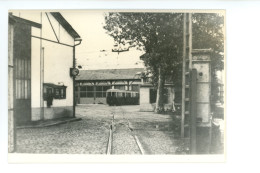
186	68
193	111
183	75
73	84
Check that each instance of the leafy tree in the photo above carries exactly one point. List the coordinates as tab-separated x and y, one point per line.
208	34
160	35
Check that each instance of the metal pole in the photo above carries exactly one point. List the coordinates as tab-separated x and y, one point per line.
74	66
183	76
190	40
73	85
41	75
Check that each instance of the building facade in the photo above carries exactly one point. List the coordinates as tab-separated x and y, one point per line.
41	54
91	85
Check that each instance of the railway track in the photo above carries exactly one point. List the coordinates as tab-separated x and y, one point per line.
113	129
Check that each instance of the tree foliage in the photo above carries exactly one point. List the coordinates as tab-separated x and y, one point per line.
208	33
160	35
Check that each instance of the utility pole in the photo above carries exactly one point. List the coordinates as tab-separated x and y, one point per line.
187	65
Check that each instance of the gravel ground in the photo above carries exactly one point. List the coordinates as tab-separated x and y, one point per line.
90	135
82	137
154	131
123	141
157	142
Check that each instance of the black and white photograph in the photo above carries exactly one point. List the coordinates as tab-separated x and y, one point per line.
116	82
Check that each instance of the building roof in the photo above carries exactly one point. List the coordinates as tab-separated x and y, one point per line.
13	19
65	24
109	74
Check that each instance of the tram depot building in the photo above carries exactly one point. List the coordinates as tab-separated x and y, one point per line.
91	87
41	50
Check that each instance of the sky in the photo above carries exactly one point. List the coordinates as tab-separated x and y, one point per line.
95	51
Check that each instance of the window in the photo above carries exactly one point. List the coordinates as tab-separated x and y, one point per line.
83	91
86	91
83	94
90	88
62	93
57	91
99	91
99	94
105	88
90	94
90	91
23	78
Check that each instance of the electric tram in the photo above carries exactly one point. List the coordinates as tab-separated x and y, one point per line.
122	97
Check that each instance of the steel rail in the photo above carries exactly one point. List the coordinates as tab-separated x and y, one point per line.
140	147
110	137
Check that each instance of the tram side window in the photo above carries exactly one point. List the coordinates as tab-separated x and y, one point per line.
128	94
113	94
119	94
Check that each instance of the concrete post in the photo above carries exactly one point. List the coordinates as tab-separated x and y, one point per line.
193	111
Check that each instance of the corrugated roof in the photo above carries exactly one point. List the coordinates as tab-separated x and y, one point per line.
109	74
65	24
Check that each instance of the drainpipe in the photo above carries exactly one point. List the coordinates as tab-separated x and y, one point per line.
74	66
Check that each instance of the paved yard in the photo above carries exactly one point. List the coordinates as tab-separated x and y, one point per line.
90	135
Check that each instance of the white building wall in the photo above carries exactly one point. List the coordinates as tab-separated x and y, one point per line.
57	66
58	59
47	31
61	33
35	69
145	104
144	95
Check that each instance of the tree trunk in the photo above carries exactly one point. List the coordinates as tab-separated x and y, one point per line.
159	97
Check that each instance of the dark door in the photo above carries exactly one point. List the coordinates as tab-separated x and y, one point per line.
153	93
22	69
